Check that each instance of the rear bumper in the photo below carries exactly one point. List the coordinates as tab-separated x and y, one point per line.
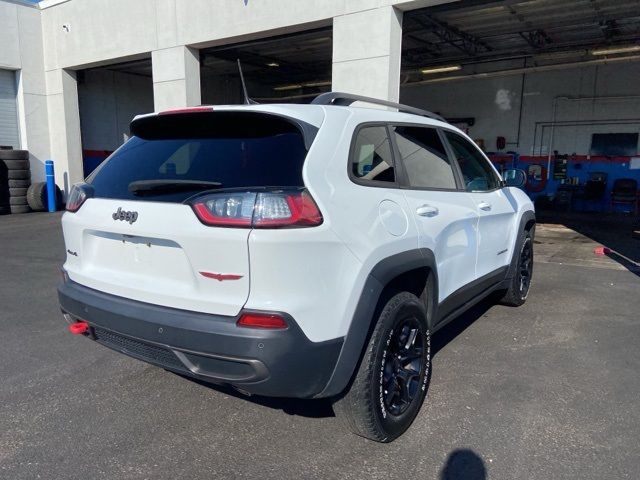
282	363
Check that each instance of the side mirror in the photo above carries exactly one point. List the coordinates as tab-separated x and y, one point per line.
514	178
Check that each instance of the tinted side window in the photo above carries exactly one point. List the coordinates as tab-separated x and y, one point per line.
372	158
424	157
477	173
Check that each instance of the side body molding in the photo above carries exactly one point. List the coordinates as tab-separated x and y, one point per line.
363	318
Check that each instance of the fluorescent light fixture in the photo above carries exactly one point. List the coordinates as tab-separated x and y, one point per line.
284	88
273	64
614	50
449	68
317	84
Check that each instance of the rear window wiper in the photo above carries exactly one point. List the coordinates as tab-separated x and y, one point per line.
150	187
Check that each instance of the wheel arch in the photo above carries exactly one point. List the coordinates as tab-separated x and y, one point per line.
414	271
527	223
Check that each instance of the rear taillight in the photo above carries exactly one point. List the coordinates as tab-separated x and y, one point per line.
79	193
274	209
262	320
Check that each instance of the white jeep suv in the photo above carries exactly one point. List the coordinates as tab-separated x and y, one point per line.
294	250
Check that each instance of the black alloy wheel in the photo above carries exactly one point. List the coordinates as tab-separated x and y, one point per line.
402	366
525	268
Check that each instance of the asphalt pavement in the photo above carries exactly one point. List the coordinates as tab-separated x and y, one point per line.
547	390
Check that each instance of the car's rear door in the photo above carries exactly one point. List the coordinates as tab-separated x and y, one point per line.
444	213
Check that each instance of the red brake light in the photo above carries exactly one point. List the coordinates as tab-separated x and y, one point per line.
262	320
275	209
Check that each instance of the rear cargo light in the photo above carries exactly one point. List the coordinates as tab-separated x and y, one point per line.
273	209
78	194
262	320
78	328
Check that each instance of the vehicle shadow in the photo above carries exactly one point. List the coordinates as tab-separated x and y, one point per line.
463	464
321	408
310	408
611	230
450	331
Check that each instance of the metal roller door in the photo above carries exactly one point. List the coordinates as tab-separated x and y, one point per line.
8	110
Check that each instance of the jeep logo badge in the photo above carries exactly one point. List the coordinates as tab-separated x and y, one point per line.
125	216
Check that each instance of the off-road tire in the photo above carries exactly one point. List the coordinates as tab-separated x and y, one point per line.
518	290
363	406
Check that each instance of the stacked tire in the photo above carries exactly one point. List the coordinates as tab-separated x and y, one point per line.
15	178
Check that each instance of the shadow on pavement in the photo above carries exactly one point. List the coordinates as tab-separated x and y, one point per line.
463	464
321	408
614	231
459	324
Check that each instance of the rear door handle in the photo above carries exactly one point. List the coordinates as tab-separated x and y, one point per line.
427	211
484	206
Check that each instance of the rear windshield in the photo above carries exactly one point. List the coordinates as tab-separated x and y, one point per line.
221	150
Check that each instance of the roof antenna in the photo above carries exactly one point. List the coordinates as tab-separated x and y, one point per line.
247	100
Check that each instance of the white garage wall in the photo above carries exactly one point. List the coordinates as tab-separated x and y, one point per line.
21	50
495	104
108	102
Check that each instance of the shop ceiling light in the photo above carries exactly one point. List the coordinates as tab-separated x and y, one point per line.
448	68
318	84
284	88
614	50
273	64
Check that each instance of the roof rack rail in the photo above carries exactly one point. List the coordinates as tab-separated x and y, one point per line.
345	99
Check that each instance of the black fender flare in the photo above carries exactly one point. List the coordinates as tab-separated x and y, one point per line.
527	216
362	322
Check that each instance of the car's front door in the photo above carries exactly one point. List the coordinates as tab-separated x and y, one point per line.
445	214
496	213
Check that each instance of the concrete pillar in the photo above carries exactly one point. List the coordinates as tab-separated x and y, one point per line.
64	127
366	53
176	77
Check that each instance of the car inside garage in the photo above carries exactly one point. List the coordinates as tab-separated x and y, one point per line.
547	87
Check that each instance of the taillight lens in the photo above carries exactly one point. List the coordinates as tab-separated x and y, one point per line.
274	209
79	193
262	320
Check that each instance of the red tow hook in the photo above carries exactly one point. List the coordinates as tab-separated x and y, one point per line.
78	328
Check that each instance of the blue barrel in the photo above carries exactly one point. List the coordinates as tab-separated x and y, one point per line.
51	185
